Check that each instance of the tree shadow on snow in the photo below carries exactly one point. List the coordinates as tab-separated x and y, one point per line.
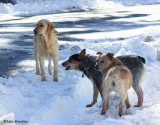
95	24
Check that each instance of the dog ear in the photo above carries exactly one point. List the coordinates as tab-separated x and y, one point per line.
110	55
55	31
75	57
50	27
82	54
99	53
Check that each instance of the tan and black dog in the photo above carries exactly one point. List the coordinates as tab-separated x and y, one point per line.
117	78
46	45
86	64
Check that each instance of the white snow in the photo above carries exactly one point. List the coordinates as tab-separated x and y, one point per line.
52	6
135	2
25	97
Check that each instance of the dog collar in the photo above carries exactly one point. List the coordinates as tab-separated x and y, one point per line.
84	66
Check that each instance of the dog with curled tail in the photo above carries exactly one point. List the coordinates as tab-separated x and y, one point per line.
46	45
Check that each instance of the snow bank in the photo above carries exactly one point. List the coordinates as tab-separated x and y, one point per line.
136	2
50	6
3	9
43	102
27	7
63	103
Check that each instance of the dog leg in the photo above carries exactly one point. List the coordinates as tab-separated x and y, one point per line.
55	61
49	66
104	106
95	96
140	95
123	99
37	64
105	100
101	92
127	102
108	102
36	54
41	60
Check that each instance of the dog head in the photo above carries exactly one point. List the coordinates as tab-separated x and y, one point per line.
73	61
44	27
104	61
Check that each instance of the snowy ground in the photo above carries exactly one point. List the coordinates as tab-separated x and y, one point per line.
121	31
23	7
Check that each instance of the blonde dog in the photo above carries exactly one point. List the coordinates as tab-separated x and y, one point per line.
117	78
46	45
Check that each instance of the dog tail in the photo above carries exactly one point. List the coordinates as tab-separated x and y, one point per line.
142	59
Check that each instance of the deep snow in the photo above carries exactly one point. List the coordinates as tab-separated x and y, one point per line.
25	97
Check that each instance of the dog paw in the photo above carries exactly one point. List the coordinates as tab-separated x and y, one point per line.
43	79
38	73
89	105
128	106
55	79
103	112
136	105
120	114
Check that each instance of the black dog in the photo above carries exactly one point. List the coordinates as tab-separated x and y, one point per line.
86	64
